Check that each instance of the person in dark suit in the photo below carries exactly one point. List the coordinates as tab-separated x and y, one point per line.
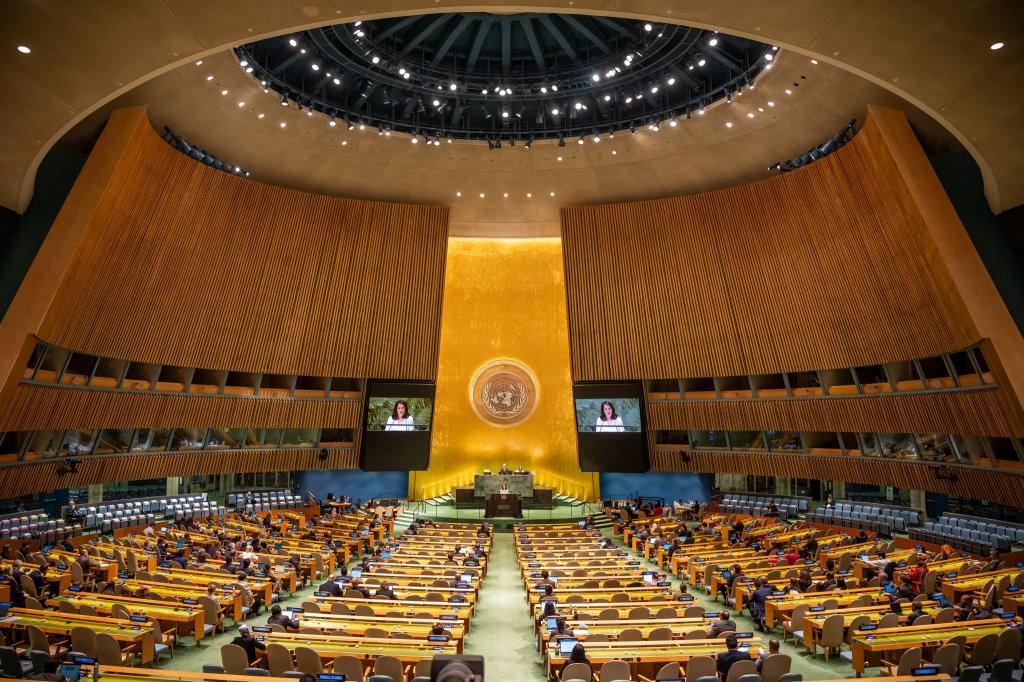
723	624
354	585
331	587
733	654
757	600
278	618
249	643
385	590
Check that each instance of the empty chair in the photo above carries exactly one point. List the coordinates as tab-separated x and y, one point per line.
83	641
795	625
631	635
313	607
109	651
701	666
116	611
693	612
350	667
639	613
619	597
889	620
308	661
279	659
1008	645
87	610
832	634
234	659
946	615
37	641
612	671
947	657
376	633
910	659
340	609
923	619
389	666
608	614
12	666
669	671
984	650
668	612
659	634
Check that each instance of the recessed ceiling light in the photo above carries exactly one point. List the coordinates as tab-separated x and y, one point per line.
303	51
505	195
671	81
750	115
713	42
458	194
702	62
24	49
315	67
552	194
283	124
559	158
648	28
223	92
337	81
529	195
344	142
261	116
198	63
244	62
614	152
728	124
292	42
814	61
607	98
481	195
993	46
414	140
241	104
788	91
771	103
768	56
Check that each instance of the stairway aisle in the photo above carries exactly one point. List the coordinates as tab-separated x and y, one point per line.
501	630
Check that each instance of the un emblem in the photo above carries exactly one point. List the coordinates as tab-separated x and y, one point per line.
503	392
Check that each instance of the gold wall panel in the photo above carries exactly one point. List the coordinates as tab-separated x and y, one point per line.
503	299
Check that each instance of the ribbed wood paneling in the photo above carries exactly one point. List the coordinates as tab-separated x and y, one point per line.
24	479
39	408
187	265
826	267
993	485
981	412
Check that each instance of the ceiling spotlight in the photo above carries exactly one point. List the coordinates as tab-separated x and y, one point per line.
406	75
505	195
713	42
337	81
672	123
993	46
209	77
244	62
648	28
728	124
484	91
554	111
401	71
261	116
580	141
788	91
458	194
436	102
223	92
481	195
595	77
529	195
315	67
375	59
607	98
702	62
453	87
414	139
561	145
241	104
333	121
768	56
359	34
671	80
815	61
26	51
551	194
654	89
614	152
577	106
609	73
750	114
771	103
543	90
248	69
292	42
596	138
504	114
283	124
284	100
554	88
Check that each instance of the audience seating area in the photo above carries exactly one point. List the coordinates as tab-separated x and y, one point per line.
756	505
883	519
126	513
265	501
33	524
970	533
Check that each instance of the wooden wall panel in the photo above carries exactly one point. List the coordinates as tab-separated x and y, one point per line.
825	267
997	486
982	412
184	264
23	479
45	408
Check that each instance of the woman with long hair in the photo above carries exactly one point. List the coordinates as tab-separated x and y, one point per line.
608	421
400	419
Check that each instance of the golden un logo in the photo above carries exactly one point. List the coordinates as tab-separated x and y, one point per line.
503	392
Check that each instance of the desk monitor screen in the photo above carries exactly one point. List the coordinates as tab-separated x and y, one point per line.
466	577
356	572
71	671
566	645
385	555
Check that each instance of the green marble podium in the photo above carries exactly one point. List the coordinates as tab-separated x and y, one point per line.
488	484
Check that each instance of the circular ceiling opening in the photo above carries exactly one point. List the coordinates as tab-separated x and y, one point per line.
505	78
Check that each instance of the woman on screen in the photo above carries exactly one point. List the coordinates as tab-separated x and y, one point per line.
608	421
400	419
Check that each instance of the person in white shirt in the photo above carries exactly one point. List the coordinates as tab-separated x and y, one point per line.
400	419
608	421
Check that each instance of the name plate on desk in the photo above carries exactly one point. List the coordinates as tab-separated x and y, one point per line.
488	484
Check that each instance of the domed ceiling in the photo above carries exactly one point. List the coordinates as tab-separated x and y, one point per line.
504	78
